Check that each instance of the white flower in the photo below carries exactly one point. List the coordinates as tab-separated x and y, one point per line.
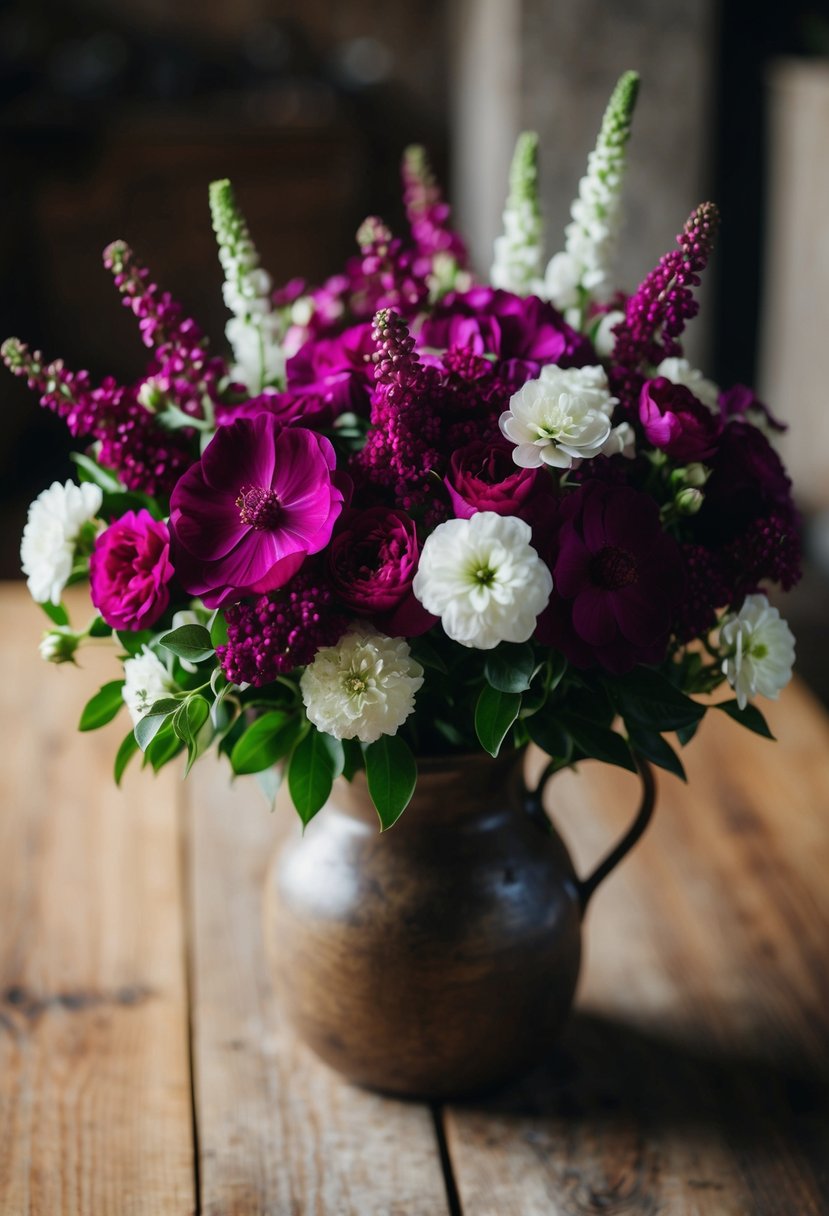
47	549
562	280
604	339
519	250
620	442
562	416
146	680
679	371
759	650
363	687
484	580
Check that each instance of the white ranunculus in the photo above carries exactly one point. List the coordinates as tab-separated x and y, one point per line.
484	580
680	371
562	416
146	680
759	650
47	549
363	687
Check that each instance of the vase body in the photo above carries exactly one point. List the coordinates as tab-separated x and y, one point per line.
439	957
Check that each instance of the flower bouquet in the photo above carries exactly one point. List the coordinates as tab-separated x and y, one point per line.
414	514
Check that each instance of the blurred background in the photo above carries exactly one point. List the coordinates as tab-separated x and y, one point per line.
115	115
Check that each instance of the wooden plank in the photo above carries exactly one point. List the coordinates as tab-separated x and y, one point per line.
278	1132
692	1078
95	1109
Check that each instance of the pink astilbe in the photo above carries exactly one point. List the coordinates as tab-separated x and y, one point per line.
427	212
384	276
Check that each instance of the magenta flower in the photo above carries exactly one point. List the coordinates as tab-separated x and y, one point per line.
245	517
618	579
332	375
129	571
677	422
484	477
740	402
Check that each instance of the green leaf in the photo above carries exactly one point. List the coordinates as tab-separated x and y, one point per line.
99	628
509	667
148	727
427	654
191	642
354	761
125	753
266	741
103	707
495	713
558	667
391	771
315	761
269	781
600	742
653	747
187	723
218	630
686	733
119	502
56	613
163	747
131	643
550	736
650	699
750	717
89	470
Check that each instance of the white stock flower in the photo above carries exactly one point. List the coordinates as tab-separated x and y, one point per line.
519	252
363	687
562	416
679	371
146	680
484	580
759	650
562	280
47	549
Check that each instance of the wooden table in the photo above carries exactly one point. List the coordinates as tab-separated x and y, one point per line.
144	1067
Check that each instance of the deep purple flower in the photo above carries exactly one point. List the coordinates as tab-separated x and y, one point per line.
747	480
618	579
245	517
484	477
333	375
677	422
129	571
372	562
740	402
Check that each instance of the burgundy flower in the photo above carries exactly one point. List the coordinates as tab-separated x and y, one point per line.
617	580
129	571
484	477
740	402
747	481
372	562
677	422
244	518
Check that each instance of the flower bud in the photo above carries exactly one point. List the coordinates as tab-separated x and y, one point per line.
58	645
688	501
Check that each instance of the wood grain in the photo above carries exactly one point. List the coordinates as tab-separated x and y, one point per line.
692	1078
279	1132
95	1112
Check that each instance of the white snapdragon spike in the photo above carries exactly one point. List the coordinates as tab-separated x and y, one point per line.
562	416
484	579
255	330
363	687
759	650
680	371
519	251
47	549
146	680
591	236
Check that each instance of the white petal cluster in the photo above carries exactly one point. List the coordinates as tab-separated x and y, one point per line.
759	650
562	416
591	236
519	251
47	549
255	330
680	371
146	680
363	687
484	580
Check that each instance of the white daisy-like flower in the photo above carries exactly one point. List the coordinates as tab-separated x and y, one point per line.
146	680
562	416
680	371
759	650
47	549
363	687
484	580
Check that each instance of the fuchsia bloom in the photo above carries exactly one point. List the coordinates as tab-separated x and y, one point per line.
245	517
484	477
330	376
677	422
129	571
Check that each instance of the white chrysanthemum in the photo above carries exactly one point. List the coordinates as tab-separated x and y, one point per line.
146	680
484	580
47	549
759	650
519	253
363	687
680	371
562	416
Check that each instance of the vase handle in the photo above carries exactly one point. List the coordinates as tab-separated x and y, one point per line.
586	886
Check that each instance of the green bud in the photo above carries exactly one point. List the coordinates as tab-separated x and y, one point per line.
58	645
696	474
688	501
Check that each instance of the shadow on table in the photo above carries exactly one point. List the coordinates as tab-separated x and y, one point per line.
603	1071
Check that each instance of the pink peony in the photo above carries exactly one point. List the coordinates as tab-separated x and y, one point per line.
245	517
484	477
677	422
129	571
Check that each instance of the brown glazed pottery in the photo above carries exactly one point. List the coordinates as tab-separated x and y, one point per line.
439	957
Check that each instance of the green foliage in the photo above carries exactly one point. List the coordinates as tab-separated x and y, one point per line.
190	642
510	668
148	727
266	741
315	763
599	742
750	717
103	707
187	723
495	713
391	772
56	613
648	698
129	746
651	745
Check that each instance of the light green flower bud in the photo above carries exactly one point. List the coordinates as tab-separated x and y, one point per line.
688	501
58	645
